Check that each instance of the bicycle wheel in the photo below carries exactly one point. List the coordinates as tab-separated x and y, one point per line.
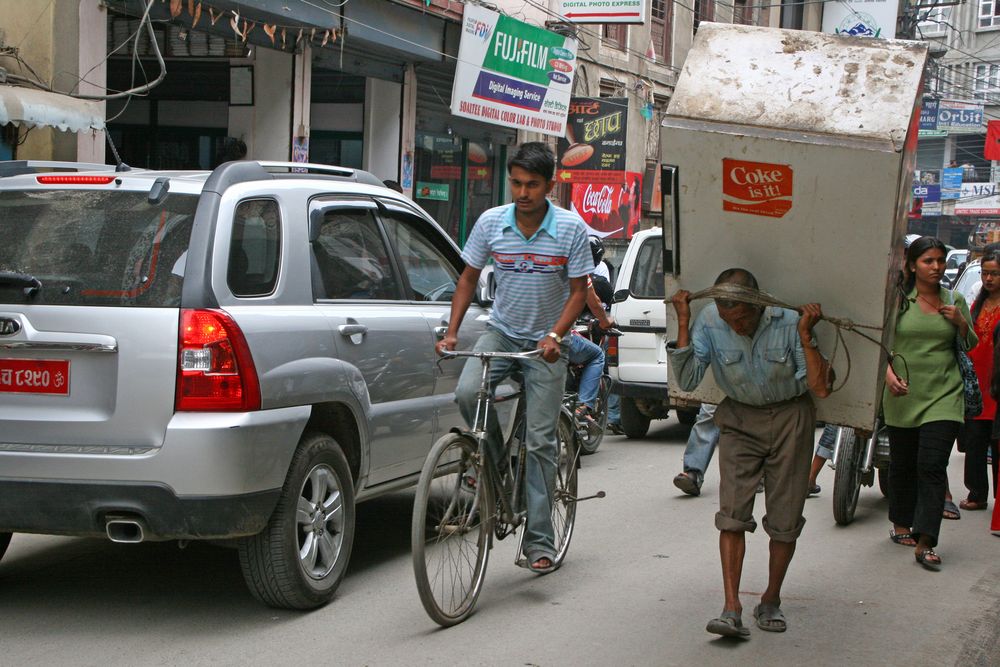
450	534
593	432
564	497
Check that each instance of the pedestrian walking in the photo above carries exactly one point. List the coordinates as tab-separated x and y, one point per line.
766	362
923	402
976	438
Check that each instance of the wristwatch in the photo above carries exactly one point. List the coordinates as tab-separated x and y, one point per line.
553	335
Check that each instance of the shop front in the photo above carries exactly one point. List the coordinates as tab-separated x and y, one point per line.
459	165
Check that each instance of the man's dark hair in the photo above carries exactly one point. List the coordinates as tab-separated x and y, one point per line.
735	276
536	157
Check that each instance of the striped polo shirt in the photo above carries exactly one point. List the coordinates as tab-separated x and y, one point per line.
532	275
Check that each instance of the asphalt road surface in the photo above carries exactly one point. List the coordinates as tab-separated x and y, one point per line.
641	580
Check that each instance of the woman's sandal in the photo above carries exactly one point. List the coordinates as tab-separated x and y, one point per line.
905	539
973	505
929	559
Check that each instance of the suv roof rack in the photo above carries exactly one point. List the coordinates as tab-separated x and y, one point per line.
19	167
228	174
346	173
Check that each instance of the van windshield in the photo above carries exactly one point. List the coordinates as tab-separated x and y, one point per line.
93	248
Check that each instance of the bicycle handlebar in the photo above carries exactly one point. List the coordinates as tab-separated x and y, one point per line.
451	354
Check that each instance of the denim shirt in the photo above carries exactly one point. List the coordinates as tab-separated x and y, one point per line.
768	368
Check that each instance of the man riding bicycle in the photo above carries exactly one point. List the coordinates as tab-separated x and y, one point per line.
542	259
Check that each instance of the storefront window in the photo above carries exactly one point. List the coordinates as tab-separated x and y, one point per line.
441	160
338	148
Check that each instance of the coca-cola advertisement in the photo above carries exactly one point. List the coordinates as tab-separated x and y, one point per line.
611	210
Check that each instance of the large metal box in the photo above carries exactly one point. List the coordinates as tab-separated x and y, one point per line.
790	154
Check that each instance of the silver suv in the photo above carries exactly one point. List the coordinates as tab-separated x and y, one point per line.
243	353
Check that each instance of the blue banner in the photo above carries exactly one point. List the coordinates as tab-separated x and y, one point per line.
927	192
928	114
951	183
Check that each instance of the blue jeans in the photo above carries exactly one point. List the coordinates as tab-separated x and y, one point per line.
614	408
701	442
583	352
824	448
543	391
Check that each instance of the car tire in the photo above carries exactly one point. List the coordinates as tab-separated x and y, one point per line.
315	514
4	543
634	423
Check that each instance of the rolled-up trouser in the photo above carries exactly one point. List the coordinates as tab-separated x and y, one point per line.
776	440
824	448
701	442
543	390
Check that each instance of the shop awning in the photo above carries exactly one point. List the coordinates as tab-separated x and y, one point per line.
32	107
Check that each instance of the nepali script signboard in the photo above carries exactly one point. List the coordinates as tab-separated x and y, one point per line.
513	74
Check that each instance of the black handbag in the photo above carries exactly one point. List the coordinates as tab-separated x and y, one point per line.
970	381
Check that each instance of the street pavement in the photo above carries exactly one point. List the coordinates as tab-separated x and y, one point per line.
641	580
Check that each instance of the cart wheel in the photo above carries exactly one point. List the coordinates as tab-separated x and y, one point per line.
847	478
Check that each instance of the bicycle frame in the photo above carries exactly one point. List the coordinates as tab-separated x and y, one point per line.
510	512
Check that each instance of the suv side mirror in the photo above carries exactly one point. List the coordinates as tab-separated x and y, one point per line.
486	289
621	295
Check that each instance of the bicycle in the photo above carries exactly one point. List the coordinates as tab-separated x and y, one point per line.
591	431
464	500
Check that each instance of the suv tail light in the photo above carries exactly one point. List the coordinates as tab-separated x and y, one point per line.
215	371
611	355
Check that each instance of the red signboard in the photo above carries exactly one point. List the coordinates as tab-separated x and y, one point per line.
611	210
757	188
34	376
453	172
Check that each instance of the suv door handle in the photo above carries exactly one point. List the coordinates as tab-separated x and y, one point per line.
352	329
440	331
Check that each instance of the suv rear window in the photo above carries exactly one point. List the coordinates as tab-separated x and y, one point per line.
94	248
647	276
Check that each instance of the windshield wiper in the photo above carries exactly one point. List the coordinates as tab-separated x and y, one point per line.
30	283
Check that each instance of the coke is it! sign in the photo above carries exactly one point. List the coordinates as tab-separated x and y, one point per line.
611	210
757	188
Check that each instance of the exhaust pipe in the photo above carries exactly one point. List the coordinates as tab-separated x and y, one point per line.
125	530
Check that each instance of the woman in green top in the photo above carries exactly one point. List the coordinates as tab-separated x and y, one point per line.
925	410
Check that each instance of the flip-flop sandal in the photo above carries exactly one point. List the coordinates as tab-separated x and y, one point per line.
728	624
769	617
951	509
531	562
929	559
905	539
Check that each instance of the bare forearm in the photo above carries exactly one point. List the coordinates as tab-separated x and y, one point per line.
597	308
817	372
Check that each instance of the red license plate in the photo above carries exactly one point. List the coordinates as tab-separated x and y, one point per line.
34	376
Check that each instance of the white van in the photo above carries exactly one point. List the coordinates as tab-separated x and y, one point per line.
639	370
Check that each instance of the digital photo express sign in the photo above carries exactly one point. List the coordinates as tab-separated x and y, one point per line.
513	74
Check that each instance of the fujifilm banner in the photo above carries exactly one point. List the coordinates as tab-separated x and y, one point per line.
513	74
